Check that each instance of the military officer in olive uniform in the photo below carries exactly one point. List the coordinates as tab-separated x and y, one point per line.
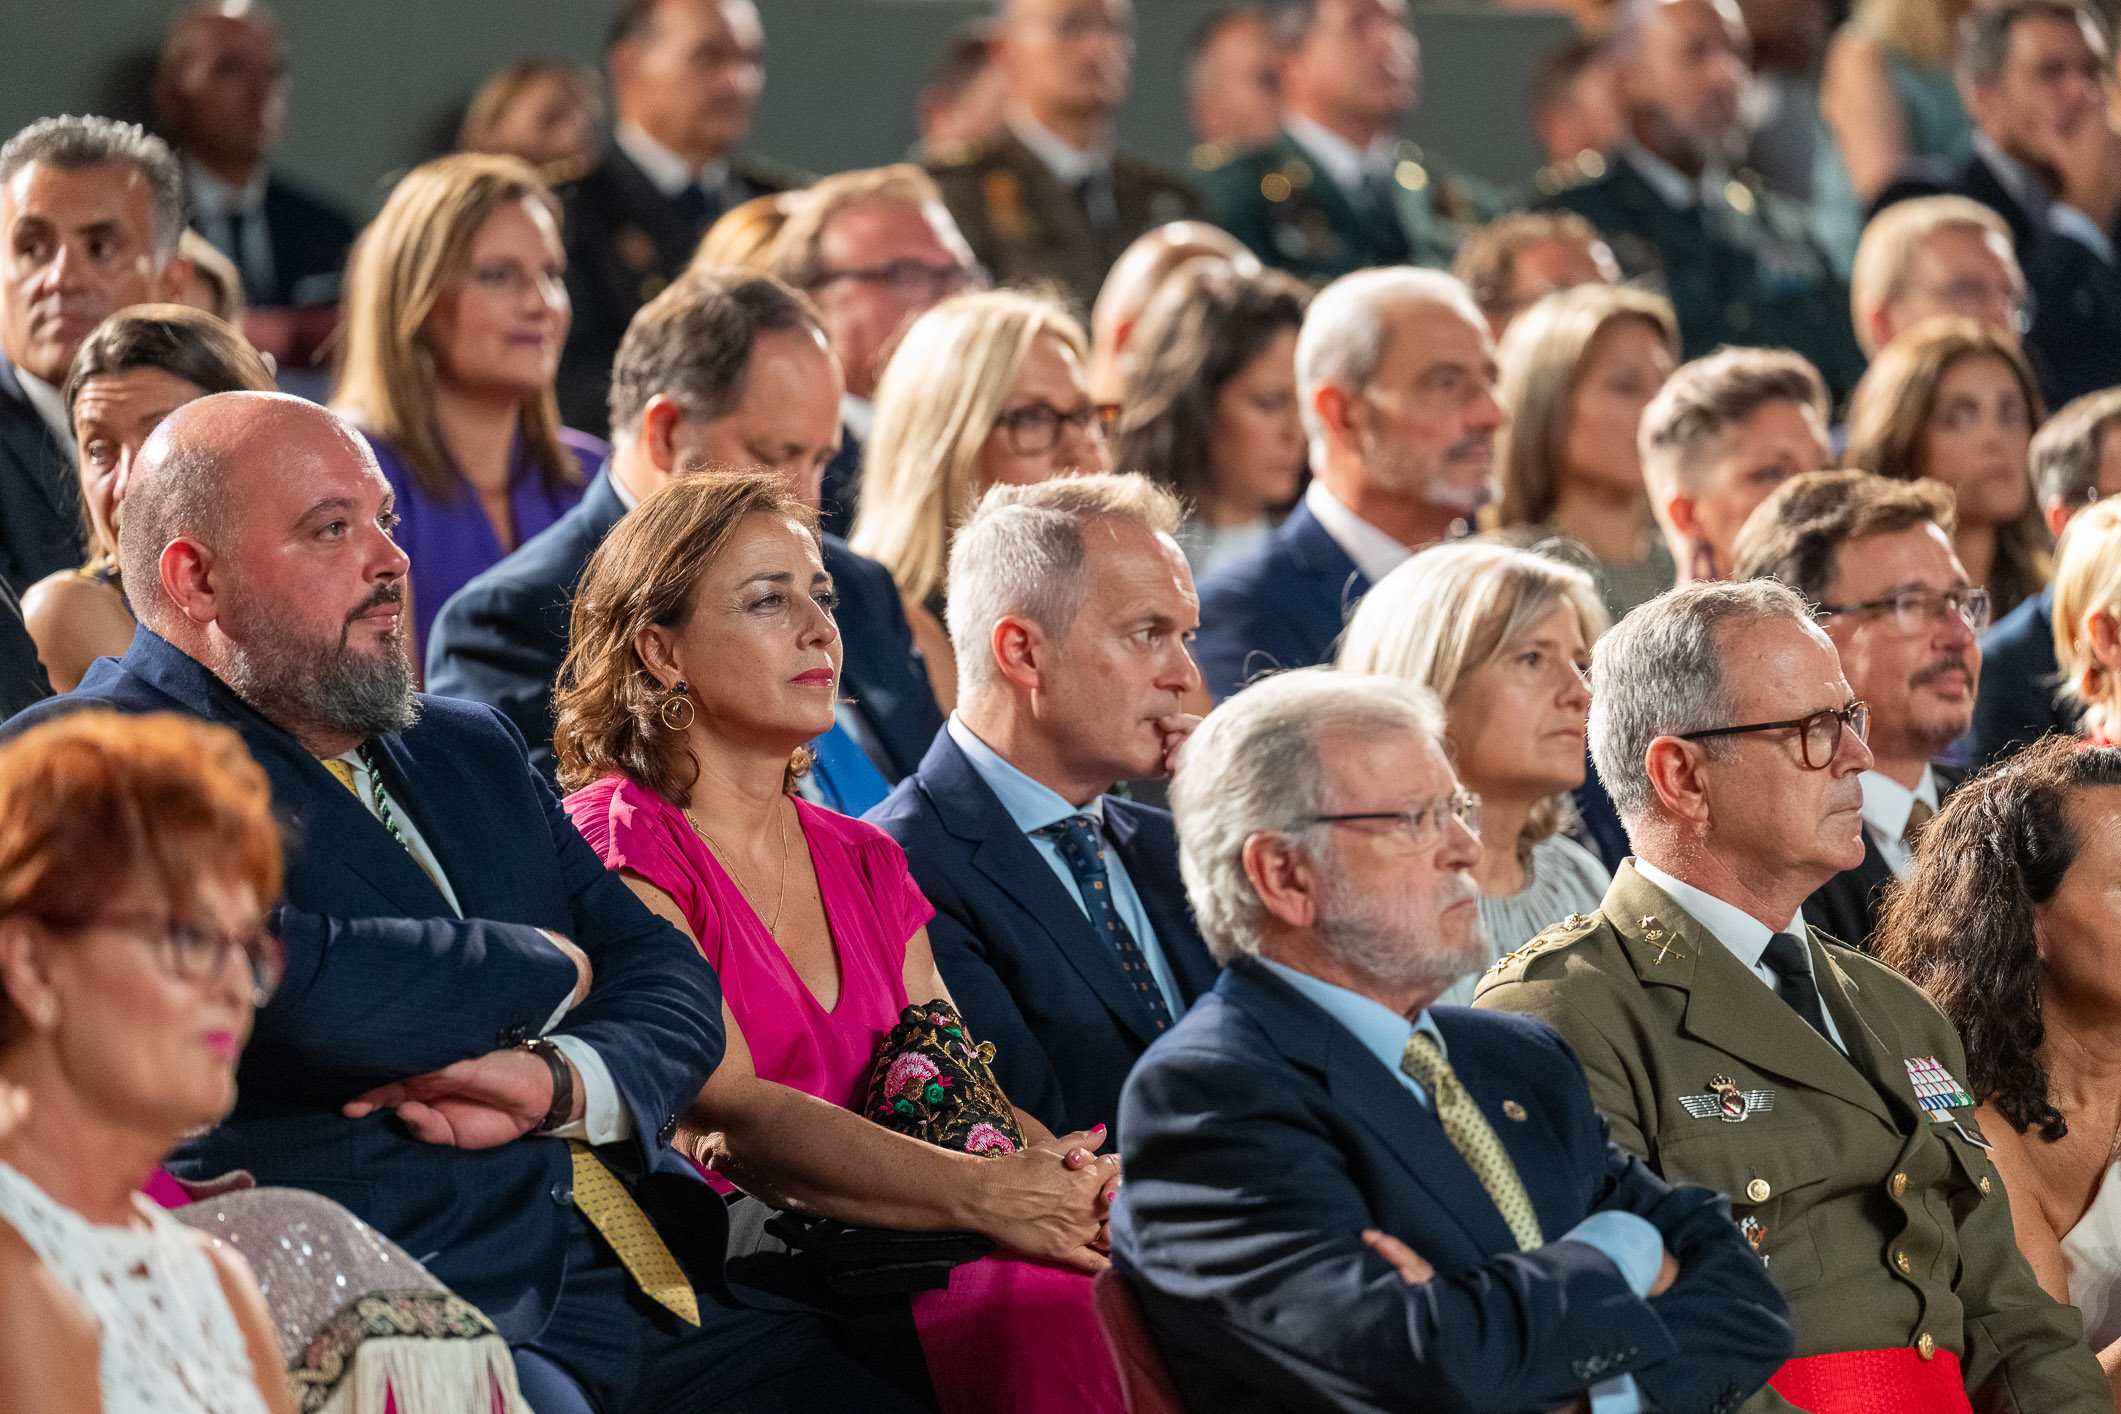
1050	199
1739	263
1733	1047
633	220
1337	190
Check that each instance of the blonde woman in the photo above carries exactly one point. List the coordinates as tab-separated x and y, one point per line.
454	317
1887	92
2088	618
985	389
1955	401
1578	370
1503	638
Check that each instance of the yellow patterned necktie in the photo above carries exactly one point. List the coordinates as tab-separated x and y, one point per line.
612	1212
602	1199
1469	1132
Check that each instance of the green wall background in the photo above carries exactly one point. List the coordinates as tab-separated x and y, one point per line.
377	82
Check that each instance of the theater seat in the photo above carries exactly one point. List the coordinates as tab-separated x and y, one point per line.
1143	1379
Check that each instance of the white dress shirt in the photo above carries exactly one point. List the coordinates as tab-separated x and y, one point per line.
667	172
1886	805
1746	936
50	404
1375	553
233	219
1674	187
2031	193
1352	168
1073	165
604	1120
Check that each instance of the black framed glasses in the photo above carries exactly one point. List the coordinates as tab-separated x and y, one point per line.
1425	826
1917	610
1035	428
1819	734
192	952
910	277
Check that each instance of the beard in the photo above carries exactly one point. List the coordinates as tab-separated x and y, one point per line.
1396	947
325	686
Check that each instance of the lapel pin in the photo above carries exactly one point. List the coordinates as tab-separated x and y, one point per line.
1513	1110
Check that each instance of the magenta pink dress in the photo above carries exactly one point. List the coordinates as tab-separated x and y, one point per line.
1009	1334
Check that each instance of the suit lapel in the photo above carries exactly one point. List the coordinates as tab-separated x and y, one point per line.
1728	1006
49	469
449	808
1377	1100
1163	898
1341	584
970	811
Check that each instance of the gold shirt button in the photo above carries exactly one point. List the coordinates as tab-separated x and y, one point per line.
1758	1190
1926	1346
1984	1185
1899	1185
1900	1261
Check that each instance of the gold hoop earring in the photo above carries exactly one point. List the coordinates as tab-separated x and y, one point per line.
667	711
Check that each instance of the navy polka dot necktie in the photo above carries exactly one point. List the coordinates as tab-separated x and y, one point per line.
1076	839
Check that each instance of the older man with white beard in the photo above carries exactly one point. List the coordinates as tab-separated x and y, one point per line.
1395	376
1340	1197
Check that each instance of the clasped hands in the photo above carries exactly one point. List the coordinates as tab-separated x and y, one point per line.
483	1102
1053	1200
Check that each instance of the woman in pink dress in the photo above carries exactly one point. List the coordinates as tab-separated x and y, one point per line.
703	656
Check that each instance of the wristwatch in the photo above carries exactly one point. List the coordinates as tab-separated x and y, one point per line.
562	1083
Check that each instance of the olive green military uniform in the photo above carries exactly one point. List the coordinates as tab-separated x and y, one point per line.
1279	201
1881	1226
1027	227
1740	267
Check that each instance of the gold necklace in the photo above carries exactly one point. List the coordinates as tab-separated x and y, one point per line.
726	859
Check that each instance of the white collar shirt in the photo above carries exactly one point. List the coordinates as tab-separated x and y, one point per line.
857	415
1350	167
50	404
1744	935
1071	164
1886	805
1375	552
1673	187
667	172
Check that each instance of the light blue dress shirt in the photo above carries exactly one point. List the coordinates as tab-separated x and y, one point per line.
1033	807
1629	1241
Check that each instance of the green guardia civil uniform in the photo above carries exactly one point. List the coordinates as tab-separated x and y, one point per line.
1027	227
1279	200
1739	263
1861	1179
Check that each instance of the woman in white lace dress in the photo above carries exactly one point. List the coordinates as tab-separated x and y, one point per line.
1503	637
137	856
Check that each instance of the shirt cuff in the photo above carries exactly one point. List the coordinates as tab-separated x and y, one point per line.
1617	1395
1635	1246
604	1120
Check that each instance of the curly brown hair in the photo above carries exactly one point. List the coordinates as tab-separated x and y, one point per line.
644	573
1961	925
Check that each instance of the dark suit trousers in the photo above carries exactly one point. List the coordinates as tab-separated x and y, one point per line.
608	1349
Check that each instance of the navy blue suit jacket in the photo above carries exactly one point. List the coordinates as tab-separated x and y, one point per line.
500	639
1261	1138
22	677
41	530
383	981
1022	961
1283	606
2020	699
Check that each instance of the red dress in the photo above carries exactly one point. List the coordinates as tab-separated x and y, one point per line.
1009	1334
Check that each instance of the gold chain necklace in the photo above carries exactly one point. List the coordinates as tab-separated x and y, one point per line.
727	862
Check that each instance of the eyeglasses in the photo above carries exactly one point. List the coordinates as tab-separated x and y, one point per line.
192	952
1915	610
1425	826
1819	734
910	277
1036	428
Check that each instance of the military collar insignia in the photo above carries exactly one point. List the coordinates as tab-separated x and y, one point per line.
1725	1101
1005	207
1655	935
1935	1088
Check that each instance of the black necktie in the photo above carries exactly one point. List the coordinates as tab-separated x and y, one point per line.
697	206
1786	958
1100	201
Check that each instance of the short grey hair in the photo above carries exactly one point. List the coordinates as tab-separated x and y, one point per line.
1985	34
2067	448
1346	331
1659	672
73	144
1253	767
1022	552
